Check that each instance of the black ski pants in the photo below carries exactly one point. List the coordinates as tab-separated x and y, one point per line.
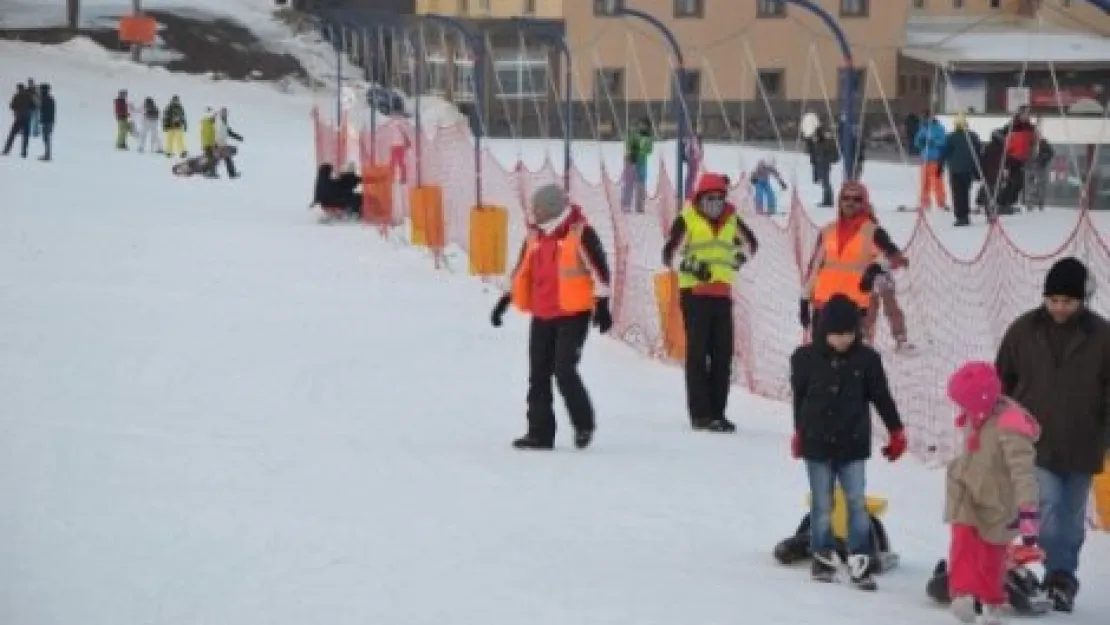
21	127
554	351
961	182
709	349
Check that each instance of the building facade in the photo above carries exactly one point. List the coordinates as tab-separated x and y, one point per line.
746	61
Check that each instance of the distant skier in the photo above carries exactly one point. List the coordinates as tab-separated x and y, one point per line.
693	155
47	115
175	126
637	149
148	130
765	201
398	151
122	110
991	493
21	120
562	279
224	134
835	381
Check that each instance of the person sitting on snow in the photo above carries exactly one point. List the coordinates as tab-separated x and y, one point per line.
765	202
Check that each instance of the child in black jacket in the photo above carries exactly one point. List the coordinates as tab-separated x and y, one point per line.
835	380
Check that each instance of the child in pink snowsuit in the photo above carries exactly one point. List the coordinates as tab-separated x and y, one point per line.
991	491
398	149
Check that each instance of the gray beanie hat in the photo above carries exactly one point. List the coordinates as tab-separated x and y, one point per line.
548	202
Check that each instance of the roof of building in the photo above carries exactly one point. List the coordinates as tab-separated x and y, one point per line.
986	41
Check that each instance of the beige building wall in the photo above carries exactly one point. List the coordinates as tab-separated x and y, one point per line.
486	9
729	42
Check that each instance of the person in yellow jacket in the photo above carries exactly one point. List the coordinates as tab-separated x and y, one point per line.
562	280
715	244
845	257
208	141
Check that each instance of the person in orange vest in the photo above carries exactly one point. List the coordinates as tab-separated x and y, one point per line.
715	243
562	279
845	250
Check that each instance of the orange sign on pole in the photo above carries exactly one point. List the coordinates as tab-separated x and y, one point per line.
139	29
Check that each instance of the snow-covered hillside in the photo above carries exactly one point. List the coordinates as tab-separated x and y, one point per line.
214	410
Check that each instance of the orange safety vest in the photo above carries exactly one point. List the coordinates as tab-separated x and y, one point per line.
840	271
576	284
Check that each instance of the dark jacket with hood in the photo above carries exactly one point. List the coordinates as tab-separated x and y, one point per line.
962	150
47	107
1061	374
326	192
834	391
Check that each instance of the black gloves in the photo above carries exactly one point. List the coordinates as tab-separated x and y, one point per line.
602	318
804	316
499	310
698	269
739	260
867	282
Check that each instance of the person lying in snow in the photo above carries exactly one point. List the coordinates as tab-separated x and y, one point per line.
198	164
336	194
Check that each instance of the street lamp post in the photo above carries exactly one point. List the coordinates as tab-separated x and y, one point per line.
549	34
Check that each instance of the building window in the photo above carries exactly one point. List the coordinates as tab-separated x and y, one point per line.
609	83
770	82
853	8
464	7
521	74
484	5
529	7
957	4
689	8
770	8
607	8
919	4
996	4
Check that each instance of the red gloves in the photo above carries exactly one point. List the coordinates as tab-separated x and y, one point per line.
896	447
795	446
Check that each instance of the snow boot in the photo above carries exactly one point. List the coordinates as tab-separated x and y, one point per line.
583	438
824	566
722	425
1061	589
991	615
859	571
530	441
964	609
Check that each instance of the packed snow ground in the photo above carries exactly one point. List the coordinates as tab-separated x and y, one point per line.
213	410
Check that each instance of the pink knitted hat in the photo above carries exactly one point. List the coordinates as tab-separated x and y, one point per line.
975	387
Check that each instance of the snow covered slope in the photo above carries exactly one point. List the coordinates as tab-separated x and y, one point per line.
215	411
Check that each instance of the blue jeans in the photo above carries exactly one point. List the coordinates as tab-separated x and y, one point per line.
764	196
822	480
1063	518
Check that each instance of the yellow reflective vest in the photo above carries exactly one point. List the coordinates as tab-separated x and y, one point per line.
716	249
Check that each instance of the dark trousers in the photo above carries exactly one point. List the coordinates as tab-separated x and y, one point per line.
47	139
823	172
961	182
709	347
20	126
554	350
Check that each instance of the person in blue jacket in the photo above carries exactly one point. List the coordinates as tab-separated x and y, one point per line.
930	140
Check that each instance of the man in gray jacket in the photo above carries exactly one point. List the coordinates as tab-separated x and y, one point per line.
1055	361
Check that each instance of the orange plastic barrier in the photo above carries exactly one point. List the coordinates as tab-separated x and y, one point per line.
1102	496
377	195
139	29
427	217
670	315
489	238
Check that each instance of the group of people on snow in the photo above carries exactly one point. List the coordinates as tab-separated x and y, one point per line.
1034	421
33	113
143	122
1010	166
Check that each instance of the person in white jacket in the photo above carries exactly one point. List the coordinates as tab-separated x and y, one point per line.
225	151
148	127
809	125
